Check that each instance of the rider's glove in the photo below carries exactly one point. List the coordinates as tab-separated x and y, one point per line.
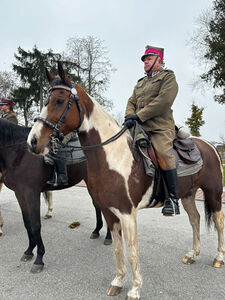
130	120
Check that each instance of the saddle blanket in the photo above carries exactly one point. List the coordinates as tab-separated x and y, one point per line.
183	169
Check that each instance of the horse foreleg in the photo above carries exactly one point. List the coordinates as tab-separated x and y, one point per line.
117	283
99	222
48	198
30	207
218	218
108	237
194	218
129	227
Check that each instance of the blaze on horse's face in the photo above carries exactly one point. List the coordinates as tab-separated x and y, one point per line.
54	107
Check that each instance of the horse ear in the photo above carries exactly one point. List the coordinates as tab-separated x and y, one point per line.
62	74
50	77
61	71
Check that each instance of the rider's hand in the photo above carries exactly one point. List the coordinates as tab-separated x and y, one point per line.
129	123
133	117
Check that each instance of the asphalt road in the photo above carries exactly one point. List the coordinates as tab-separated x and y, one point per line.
77	267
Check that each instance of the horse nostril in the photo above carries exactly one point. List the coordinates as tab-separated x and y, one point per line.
34	142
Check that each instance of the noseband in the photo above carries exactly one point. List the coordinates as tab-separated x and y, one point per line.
56	128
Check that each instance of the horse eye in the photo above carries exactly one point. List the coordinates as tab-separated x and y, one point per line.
60	101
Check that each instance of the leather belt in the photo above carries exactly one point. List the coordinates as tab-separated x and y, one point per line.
142	104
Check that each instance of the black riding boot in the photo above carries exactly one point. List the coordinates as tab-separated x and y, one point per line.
52	181
171	206
61	169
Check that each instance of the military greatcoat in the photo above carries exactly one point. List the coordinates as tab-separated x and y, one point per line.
151	100
10	116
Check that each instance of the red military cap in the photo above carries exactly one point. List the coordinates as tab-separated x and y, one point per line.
4	101
151	50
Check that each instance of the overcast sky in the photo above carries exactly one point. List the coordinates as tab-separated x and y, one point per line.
126	26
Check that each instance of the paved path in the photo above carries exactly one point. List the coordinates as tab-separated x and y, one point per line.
79	268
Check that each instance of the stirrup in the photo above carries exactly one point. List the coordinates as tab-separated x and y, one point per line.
170	208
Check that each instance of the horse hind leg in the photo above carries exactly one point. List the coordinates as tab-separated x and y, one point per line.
48	199
218	218
194	219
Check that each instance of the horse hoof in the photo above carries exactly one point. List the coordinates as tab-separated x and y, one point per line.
107	242
94	235
36	268
131	298
218	263
0	232
188	260
47	217
26	257
113	290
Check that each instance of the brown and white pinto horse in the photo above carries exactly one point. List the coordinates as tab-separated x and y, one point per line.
116	176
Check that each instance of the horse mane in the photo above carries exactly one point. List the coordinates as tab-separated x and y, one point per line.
11	134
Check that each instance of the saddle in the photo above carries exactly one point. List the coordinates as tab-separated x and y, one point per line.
188	161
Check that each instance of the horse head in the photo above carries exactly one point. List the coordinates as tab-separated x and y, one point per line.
61	114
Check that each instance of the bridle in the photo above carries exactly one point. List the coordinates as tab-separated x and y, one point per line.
56	127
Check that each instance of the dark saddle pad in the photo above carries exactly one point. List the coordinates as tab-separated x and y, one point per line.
67	153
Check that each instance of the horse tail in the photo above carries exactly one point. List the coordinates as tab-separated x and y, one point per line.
208	214
213	190
218	193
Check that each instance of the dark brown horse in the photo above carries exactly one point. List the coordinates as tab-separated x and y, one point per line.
26	174
117	181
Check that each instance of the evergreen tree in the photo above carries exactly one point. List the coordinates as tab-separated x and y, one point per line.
30	68
195	121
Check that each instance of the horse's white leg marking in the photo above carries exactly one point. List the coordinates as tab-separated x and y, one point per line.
129	227
218	218
119	252
37	127
194	218
50	203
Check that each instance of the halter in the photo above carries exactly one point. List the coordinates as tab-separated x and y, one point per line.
56	128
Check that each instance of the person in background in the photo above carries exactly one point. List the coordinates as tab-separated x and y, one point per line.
150	105
6	107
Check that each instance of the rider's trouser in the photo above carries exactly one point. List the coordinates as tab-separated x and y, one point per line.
162	141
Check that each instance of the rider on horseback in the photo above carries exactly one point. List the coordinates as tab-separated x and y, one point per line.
6	107
150	105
